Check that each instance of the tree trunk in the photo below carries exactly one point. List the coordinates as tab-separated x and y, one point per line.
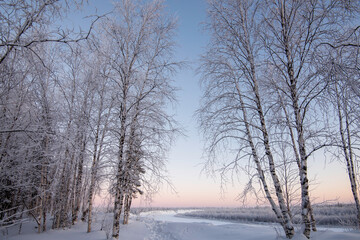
84	207
297	157
119	195
127	207
72	188
305	200
92	187
278	190
60	195
97	148
40	207
287	224
346	146
79	179
118	204
288	228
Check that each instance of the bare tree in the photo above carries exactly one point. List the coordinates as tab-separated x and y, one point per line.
22	20
29	92
140	64
344	98
233	106
77	88
101	116
28	120
264	72
294	30
119	91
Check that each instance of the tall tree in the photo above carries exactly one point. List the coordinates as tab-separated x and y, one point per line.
344	98
29	100
292	36
233	105
264	72
140	37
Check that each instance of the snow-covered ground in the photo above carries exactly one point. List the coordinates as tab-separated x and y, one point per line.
165	225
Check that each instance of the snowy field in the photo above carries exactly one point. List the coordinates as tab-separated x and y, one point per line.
167	225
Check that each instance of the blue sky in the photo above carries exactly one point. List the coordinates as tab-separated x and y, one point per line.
185	157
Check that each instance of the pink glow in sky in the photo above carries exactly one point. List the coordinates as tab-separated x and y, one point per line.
330	184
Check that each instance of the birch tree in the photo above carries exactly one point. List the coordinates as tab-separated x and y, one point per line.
28	93
268	58
101	117
141	42
344	94
294	30
26	137
233	106
346	117
344	98
76	88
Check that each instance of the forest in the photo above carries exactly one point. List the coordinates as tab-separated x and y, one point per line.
82	111
85	112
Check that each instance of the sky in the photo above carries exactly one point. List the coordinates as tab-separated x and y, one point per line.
194	188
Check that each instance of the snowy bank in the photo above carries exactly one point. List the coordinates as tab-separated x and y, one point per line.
165	225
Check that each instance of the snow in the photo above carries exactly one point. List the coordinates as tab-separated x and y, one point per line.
165	225
78	232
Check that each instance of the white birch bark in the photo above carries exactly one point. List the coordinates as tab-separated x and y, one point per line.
119	195
259	169
296	153
285	19
232	19
98	149
347	149
127	207
289	229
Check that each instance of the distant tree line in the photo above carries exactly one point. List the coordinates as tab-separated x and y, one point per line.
281	82
82	110
325	214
